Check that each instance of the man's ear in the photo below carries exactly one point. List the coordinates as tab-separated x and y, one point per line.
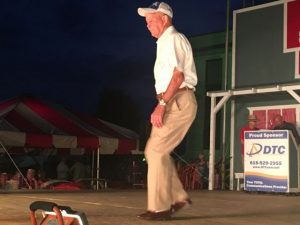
165	19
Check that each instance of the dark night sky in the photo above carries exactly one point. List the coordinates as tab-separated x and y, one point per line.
71	51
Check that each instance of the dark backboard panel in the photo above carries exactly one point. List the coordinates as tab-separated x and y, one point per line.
260	58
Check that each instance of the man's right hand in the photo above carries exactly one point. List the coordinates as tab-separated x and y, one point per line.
157	116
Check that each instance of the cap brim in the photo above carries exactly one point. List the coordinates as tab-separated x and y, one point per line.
144	11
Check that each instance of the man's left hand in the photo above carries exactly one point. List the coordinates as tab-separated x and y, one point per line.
157	116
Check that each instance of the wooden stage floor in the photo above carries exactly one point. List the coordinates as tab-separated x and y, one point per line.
120	207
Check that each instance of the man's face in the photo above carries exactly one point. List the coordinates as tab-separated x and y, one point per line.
30	173
155	23
252	124
278	121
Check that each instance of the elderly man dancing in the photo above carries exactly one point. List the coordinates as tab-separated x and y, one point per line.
175	81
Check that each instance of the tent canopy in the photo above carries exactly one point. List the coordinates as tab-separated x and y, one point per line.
27	122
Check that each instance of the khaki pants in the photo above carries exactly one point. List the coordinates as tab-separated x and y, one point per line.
164	186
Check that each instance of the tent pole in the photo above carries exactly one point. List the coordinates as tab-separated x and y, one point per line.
138	144
98	172
93	167
23	177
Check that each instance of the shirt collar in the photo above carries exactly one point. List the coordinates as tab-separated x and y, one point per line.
165	34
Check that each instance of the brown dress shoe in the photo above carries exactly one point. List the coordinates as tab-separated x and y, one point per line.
180	205
144	215
163	215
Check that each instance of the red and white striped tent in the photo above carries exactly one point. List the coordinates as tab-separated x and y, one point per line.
26	122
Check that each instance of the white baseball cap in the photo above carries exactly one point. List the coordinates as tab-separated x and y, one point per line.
157	7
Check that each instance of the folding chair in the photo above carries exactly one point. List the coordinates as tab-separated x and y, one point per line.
54	214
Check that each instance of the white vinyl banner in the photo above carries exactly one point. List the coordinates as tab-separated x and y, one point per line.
266	162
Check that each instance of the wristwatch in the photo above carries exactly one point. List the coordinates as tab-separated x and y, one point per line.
162	102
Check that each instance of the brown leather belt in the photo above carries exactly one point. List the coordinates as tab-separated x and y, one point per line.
160	95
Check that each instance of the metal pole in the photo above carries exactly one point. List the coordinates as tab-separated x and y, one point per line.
212	144
93	168
98	167
223	165
226	46
232	138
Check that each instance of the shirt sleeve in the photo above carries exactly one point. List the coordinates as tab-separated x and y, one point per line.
179	49
242	134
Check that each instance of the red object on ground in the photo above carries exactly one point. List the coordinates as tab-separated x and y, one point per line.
66	186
